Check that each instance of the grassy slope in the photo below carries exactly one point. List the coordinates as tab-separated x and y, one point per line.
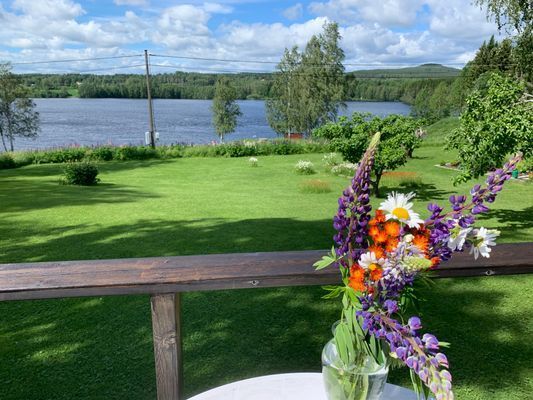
101	347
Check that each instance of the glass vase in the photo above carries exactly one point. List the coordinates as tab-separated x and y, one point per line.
365	381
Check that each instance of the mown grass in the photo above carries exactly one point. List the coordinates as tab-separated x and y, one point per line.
100	348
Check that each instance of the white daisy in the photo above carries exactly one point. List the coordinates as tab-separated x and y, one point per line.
397	206
483	238
457	238
369	258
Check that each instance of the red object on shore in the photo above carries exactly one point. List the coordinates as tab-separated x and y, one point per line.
294	136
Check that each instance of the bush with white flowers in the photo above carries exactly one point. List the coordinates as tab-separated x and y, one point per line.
305	167
344	169
330	160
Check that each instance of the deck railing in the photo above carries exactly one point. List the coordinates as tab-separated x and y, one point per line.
164	278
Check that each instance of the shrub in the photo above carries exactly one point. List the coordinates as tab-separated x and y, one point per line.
330	160
104	153
135	153
253	161
315	186
80	173
166	152
6	161
305	167
23	158
344	169
526	165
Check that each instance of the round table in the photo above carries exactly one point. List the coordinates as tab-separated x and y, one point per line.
308	386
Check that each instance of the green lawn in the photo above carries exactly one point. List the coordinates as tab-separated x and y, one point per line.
100	348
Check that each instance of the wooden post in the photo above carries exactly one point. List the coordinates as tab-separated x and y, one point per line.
166	327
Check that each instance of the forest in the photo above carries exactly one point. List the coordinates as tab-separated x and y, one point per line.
400	84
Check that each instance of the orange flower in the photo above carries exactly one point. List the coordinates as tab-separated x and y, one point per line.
435	261
380	216
373	231
392	228
377	250
375	272
421	241
381	237
357	278
391	244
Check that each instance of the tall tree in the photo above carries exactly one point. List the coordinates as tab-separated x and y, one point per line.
17	112
285	106
309	88
225	108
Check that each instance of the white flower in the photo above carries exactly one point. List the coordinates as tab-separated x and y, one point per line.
483	238
457	238
369	258
397	206
408	238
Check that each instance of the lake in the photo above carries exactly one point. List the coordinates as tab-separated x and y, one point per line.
88	122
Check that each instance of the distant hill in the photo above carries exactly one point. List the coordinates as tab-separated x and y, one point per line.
421	71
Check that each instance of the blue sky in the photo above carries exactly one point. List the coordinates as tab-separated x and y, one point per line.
375	33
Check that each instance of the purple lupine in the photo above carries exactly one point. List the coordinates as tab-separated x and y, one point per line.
421	354
463	214
353	215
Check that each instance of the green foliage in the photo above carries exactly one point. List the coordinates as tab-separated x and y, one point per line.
245	148
7	161
135	153
225	109
17	115
351	137
309	87
104	153
80	173
495	123
510	14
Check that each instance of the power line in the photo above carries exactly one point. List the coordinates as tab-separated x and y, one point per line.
75	60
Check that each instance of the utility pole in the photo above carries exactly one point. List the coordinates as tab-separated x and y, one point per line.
149	96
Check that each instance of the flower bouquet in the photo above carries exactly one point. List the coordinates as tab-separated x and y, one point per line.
379	257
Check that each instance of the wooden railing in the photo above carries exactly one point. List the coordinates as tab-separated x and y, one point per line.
163	278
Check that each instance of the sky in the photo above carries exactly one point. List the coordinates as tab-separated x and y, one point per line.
375	33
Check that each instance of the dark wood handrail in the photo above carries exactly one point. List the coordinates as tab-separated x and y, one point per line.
157	275
165	277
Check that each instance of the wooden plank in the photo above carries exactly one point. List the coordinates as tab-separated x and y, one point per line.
166	327
212	272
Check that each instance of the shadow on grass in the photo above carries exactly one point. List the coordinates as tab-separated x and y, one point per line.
147	238
50	193
100	348
424	191
513	222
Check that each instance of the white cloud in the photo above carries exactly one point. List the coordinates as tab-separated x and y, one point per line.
385	12
134	3
182	26
216	8
294	12
450	31
53	9
455	19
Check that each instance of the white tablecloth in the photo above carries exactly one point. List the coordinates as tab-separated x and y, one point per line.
299	386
